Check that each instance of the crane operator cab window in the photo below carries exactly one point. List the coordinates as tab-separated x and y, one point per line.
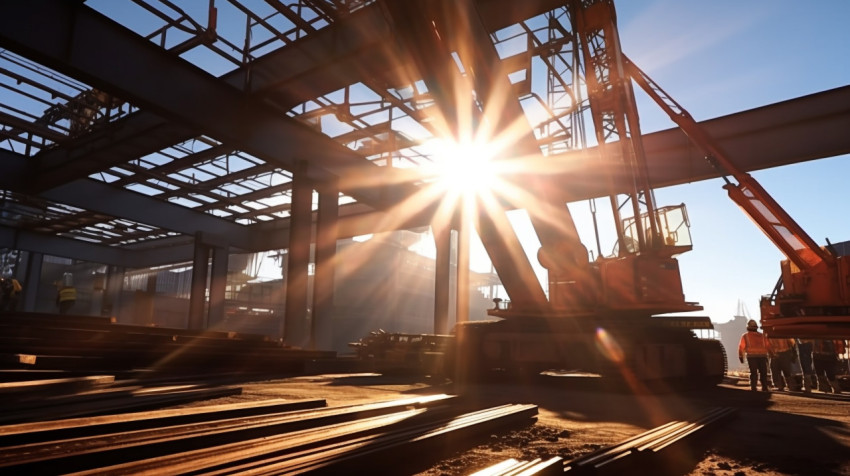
674	231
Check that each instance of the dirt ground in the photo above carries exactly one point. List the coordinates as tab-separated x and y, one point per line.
777	433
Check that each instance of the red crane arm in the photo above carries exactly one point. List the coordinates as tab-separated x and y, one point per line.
770	217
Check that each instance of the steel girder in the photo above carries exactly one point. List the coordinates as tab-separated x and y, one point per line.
102	198
75	40
357	47
797	130
666	162
134	136
81	250
789	132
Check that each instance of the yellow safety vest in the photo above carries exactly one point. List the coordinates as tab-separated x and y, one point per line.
67	294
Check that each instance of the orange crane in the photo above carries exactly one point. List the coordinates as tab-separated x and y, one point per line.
601	314
812	296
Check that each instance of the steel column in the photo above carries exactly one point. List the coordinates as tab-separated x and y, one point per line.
218	285
200	272
112	293
31	281
463	236
442	274
300	222
321	324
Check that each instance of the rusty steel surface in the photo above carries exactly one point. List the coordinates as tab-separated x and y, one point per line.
270	442
168	435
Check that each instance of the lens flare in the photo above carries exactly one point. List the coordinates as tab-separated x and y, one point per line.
608	346
465	167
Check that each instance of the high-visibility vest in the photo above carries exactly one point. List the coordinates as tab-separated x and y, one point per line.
780	345
824	347
752	343
67	294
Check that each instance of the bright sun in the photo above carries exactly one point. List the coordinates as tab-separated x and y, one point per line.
465	167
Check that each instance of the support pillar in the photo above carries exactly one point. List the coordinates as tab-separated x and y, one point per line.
31	281
442	277
295	330
112	292
198	298
218	286
321	330
463	235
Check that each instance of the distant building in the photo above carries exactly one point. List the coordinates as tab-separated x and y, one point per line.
730	334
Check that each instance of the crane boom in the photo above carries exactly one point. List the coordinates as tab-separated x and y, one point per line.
812	297
773	220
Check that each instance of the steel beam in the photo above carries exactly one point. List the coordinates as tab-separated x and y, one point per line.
797	130
198	296
321	324
80	250
75	40
218	286
295	328
109	200
126	139
442	276
789	132
58	246
35	262
357	47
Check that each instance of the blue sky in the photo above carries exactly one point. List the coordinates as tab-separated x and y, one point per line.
720	57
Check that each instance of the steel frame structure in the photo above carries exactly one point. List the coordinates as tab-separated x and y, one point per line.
131	127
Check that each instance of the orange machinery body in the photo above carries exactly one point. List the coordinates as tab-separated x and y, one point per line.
825	285
600	319
636	283
811	303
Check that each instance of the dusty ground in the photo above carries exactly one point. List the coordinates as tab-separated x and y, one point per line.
778	433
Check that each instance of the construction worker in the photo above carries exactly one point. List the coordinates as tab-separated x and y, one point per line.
66	298
782	353
825	358
753	344
10	290
804	350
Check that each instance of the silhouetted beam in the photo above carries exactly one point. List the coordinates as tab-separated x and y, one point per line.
102	198
75	40
801	129
81	250
358	46
137	135
797	130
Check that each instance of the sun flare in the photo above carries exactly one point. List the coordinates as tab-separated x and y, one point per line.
465	167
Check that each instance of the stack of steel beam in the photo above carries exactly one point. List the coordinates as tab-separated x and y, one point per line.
87	343
265	442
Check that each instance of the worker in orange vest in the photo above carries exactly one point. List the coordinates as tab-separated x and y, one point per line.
782	353
754	345
825	357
